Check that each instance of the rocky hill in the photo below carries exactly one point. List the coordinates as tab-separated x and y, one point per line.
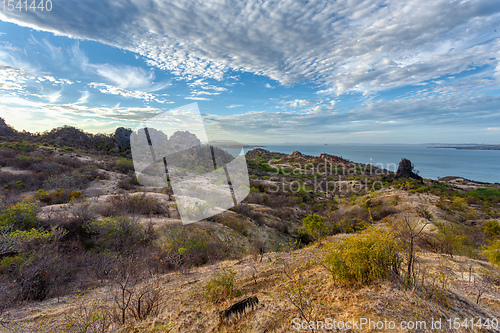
7	131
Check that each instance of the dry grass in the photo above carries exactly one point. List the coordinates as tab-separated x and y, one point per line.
188	311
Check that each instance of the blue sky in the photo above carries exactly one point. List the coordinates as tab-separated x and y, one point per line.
347	71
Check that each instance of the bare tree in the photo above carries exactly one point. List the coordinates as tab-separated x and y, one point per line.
136	292
125	281
482	284
296	288
410	230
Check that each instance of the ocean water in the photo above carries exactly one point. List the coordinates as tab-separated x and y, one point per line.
433	163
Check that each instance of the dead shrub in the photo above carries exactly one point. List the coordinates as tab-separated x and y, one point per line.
92	315
148	300
382	212
60	181
132	204
128	183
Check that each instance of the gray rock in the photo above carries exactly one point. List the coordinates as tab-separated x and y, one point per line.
122	137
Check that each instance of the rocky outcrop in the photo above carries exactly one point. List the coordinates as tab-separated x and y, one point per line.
122	138
329	159
405	169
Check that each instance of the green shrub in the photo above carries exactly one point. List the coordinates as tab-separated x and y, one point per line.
492	252
486	194
423	189
221	285
21	216
363	258
454	240
27	243
13	261
350	225
124	165
315	225
31	235
20	145
492	228
118	234
471	214
198	247
459	204
59	196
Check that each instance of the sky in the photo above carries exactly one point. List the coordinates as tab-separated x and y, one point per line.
261	72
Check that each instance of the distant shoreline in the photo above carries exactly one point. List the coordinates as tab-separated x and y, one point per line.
253	146
470	147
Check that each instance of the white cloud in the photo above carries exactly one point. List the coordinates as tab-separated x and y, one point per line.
359	45
128	114
84	98
41	115
109	89
202	84
53	80
54	52
234	106
402	115
497	70
126	77
363	46
12	78
203	92
194	98
298	103
53	97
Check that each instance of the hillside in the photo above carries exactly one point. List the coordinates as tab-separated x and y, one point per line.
85	248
